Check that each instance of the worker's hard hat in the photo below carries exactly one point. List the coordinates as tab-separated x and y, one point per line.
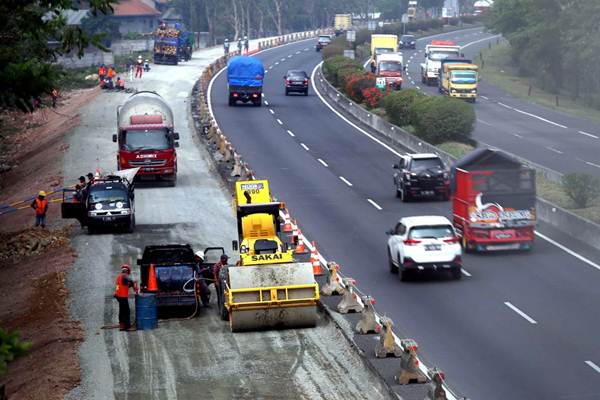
227	40
42	193
126	267
199	254
140	57
245	37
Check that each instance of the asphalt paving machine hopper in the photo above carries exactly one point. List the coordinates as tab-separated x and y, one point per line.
268	289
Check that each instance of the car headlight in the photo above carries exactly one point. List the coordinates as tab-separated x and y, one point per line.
452	90
474	91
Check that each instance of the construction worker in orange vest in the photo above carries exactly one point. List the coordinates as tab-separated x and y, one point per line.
101	72
40	205
122	284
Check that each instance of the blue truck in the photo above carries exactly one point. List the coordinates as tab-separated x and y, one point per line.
245	77
171	45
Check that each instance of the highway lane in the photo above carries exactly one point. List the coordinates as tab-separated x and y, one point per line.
464	327
544	136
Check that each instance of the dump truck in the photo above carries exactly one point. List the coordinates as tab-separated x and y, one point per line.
381	44
493	201
172	272
389	70
245	80
435	52
267	288
146	137
108	202
172	44
341	23
459	79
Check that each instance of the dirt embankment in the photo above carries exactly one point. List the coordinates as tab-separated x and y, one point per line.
33	261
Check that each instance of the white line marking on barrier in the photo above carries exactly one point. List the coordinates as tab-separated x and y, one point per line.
305	147
484	122
276	62
298	52
279	121
271	111
554	150
484	97
306	49
592	164
290	133
346	181
517	135
569	251
418	87
465	272
588	134
266	103
283	59
290	56
377	206
270	67
323	162
521	313
593	366
267	71
532	115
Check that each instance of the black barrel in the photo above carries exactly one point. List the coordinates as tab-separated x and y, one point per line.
145	311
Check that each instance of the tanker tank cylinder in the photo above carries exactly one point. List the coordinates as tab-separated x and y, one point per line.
272	296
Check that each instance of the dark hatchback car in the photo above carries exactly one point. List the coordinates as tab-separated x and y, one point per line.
408	42
296	81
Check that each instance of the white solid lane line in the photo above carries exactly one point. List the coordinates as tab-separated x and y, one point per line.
554	150
271	111
279	121
532	115
592	164
465	272
569	251
483	97
593	365
290	133
479	41
483	122
588	134
305	147
521	313
323	162
346	181
377	206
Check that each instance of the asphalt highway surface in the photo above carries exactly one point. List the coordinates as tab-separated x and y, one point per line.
517	326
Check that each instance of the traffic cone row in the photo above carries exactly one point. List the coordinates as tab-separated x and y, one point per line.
314	260
287	226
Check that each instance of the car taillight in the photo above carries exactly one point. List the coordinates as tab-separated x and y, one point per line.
452	239
235	95
411	242
306	82
287	82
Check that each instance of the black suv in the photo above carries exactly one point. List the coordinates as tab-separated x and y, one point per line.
407	42
296	81
421	175
323	41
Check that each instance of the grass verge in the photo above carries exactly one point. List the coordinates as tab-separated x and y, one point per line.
499	70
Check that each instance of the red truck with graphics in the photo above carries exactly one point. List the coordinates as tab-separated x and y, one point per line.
493	202
146	137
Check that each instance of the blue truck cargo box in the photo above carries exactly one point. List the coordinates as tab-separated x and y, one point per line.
245	71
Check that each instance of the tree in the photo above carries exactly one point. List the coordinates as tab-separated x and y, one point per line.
102	25
26	28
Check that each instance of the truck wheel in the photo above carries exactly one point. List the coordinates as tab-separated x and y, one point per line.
306	92
423	80
287	93
131	226
404	275
257	103
231	102
456	273
404	195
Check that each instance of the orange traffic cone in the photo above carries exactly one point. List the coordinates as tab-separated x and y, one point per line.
300	246
152	286
295	232
314	260
287	226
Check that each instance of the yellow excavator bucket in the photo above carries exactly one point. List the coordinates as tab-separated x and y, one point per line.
268	289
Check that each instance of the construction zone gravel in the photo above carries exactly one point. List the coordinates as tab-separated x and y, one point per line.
199	357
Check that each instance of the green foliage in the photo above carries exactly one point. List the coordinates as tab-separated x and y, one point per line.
10	348
336	67
398	104
26	28
102	25
581	188
442	119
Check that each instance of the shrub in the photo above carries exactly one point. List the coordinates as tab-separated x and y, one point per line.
11	347
373	97
336	48
335	67
358	82
581	188
397	105
441	119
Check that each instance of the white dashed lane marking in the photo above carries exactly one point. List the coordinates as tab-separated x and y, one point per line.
279	121
271	111
305	147
323	162
346	181
291	133
521	313
593	366
588	134
377	206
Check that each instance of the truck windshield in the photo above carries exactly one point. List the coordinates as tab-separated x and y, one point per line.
431	232
390	66
383	50
105	195
466	77
442	55
147	139
509	188
425	164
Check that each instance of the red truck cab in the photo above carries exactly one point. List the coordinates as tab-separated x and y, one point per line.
146	137
493	202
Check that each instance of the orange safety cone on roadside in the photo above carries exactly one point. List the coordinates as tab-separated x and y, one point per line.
314	260
295	232
152	286
287	226
300	246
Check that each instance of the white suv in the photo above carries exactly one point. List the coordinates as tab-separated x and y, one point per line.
417	244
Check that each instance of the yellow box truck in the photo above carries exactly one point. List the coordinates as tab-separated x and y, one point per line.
341	23
381	44
459	79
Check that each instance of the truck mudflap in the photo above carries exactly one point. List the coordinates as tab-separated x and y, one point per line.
271	296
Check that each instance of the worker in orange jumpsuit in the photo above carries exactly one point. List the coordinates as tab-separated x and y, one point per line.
101	72
122	284
40	205
139	67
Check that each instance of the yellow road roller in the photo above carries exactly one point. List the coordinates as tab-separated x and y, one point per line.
267	288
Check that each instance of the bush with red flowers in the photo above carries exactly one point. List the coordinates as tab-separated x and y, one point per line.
356	83
373	97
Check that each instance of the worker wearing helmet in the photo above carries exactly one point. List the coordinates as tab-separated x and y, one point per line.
246	44
139	67
220	274
202	286
40	205
122	284
226	46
